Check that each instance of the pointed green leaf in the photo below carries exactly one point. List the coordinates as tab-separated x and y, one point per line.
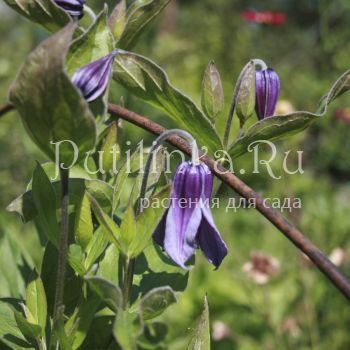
212	93
28	329
79	323
117	19
110	148
76	259
44	198
83	228
43	12
201	336
107	291
50	106
148	81
8	326
36	302
139	15
155	302
94	44
101	191
96	247
128	229
279	126
147	222
110	227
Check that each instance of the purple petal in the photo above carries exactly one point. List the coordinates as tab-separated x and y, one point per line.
159	232
208	179
184	215
93	78
267	86
210	241
75	8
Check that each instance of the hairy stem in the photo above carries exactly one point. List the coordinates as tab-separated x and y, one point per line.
63	243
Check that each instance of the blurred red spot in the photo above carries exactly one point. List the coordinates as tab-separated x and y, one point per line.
266	17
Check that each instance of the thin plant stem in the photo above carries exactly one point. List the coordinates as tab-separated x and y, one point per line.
63	243
129	266
276	218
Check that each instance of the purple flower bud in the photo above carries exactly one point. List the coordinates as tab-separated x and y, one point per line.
188	223
267	89
75	8
93	78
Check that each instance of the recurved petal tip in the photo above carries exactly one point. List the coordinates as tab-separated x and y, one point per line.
210	241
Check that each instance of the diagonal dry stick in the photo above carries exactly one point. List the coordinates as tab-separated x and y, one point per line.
291	232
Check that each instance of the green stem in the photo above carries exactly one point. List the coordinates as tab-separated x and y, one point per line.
63	243
128	281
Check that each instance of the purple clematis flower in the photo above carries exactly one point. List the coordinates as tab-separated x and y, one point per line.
267	87
75	8
188	223
93	78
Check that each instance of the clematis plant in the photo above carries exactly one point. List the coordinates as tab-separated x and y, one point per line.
111	266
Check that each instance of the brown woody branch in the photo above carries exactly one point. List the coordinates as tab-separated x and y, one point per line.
291	232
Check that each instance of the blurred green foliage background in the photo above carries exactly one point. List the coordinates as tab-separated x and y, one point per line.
297	308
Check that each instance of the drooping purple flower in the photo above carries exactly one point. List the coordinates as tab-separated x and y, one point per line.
267	87
188	223
75	8
93	78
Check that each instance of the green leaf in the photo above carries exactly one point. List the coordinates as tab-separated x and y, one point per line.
279	126
139	15
107	291
110	227
117	19
148	81
201	337
244	94
79	323
94	44
154	269
212	93
10	334
110	148
76	259
122	176
36	302
101	191
83	228
110	266
51	107
128	229
96	247
147	223
43	12
44	197
28	329
126	329
155	302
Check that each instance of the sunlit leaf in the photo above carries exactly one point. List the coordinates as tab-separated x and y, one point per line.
148	81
